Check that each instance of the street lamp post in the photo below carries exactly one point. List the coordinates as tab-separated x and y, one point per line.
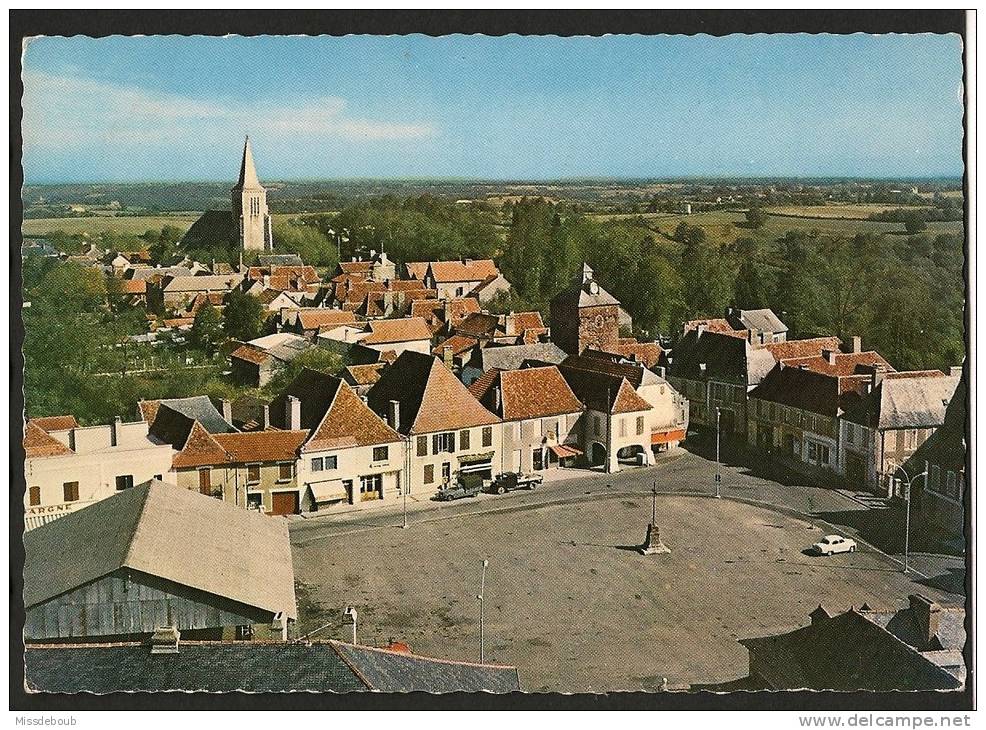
482	615
351	612
718	464
907	511
404	492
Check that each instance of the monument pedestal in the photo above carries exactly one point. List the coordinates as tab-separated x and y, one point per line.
652	544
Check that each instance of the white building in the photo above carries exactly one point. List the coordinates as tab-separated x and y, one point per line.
67	469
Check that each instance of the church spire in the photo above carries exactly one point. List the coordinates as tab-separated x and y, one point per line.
248	171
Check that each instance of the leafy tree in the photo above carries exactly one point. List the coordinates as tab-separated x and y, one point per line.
163	245
756	217
315	358
243	316
914	222
207	330
755	279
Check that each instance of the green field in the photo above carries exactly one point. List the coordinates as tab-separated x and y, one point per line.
99	224
727	226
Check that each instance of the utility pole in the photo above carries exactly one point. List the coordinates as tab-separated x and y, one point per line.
718	463
907	512
404	492
482	615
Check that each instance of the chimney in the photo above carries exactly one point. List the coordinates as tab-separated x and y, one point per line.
829	356
227	410
115	431
660	370
292	413
265	417
497	397
857	343
373	253
447	356
164	640
700	330
394	414
926	615
955	371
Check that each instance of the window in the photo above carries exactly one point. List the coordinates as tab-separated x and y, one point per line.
464	439
253	473
124	481
950	489
285	471
487	436
34	496
442	443
205	481
422	446
640	425
912	439
71	491
381	453
255	501
244	633
429	476
318	464
623	427
850	433
371	487
818	453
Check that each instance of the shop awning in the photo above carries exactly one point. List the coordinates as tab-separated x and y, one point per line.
563	451
329	491
664	437
475	458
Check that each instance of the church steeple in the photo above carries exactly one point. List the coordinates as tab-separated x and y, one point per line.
249	200
248	170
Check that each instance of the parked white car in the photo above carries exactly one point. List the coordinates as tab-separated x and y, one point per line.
831	544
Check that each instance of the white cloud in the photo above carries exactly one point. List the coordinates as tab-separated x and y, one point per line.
64	112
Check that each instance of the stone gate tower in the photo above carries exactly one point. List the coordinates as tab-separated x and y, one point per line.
585	316
250	206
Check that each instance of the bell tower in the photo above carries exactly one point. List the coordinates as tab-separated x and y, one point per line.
250	211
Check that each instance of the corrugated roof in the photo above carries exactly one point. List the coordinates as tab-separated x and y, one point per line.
239	554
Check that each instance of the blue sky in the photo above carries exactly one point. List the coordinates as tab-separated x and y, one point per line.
176	108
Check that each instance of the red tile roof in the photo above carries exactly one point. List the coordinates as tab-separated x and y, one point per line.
199	449
457	343
648	353
39	444
317	319
627	400
254	446
365	374
407	329
55	423
717	324
350	422
527	393
468	270
838	363
802	348
133	286
431	398
250	354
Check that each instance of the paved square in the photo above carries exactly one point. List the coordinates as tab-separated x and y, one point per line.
572	605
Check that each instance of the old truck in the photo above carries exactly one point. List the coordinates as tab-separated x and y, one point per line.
508	481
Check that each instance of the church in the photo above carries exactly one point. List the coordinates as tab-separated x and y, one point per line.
246	226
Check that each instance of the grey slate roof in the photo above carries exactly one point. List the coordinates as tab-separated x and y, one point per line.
511	357
760	320
154	528
209	667
849	652
280	259
163	271
905	402
213	228
254	667
392	671
946	447
200	408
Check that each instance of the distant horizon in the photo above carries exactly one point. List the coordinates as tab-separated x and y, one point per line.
176	108
589	179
